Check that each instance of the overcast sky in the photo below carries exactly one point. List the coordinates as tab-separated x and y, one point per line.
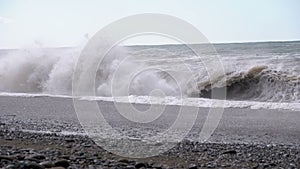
65	22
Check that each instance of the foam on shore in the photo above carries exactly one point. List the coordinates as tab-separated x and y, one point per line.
196	102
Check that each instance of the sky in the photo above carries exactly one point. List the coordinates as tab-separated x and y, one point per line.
55	23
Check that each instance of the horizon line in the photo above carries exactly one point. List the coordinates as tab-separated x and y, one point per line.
218	43
165	44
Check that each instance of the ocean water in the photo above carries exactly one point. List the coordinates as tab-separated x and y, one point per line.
257	75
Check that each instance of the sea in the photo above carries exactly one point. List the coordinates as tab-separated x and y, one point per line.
255	75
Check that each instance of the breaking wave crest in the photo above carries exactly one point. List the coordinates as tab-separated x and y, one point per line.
259	84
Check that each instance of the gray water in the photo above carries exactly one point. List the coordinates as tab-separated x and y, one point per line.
262	71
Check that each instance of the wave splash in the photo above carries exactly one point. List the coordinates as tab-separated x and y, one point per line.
50	71
37	71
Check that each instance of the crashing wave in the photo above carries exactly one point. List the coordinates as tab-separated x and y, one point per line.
259	83
50	72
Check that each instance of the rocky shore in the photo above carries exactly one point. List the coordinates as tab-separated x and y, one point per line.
31	150
32	135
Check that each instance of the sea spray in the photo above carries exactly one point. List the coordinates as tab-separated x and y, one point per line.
262	77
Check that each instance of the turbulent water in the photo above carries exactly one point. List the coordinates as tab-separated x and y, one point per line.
265	72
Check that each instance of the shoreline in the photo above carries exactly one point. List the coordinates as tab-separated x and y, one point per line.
262	126
245	138
170	101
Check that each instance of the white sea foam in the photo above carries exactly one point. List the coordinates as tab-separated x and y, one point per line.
169	100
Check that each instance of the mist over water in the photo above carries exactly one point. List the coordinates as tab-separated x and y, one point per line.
266	72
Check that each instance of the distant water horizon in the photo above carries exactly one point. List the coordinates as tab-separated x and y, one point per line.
217	43
163	44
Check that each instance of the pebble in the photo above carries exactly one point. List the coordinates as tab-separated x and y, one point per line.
124	161
229	152
3	157
157	166
193	166
140	165
33	165
69	140
130	167
62	163
84	154
47	164
37	156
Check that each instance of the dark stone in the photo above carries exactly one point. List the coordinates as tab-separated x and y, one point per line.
124	161
65	157
36	158
33	165
62	163
69	140
255	166
140	165
120	164
230	152
20	157
2	157
68	146
193	166
87	145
